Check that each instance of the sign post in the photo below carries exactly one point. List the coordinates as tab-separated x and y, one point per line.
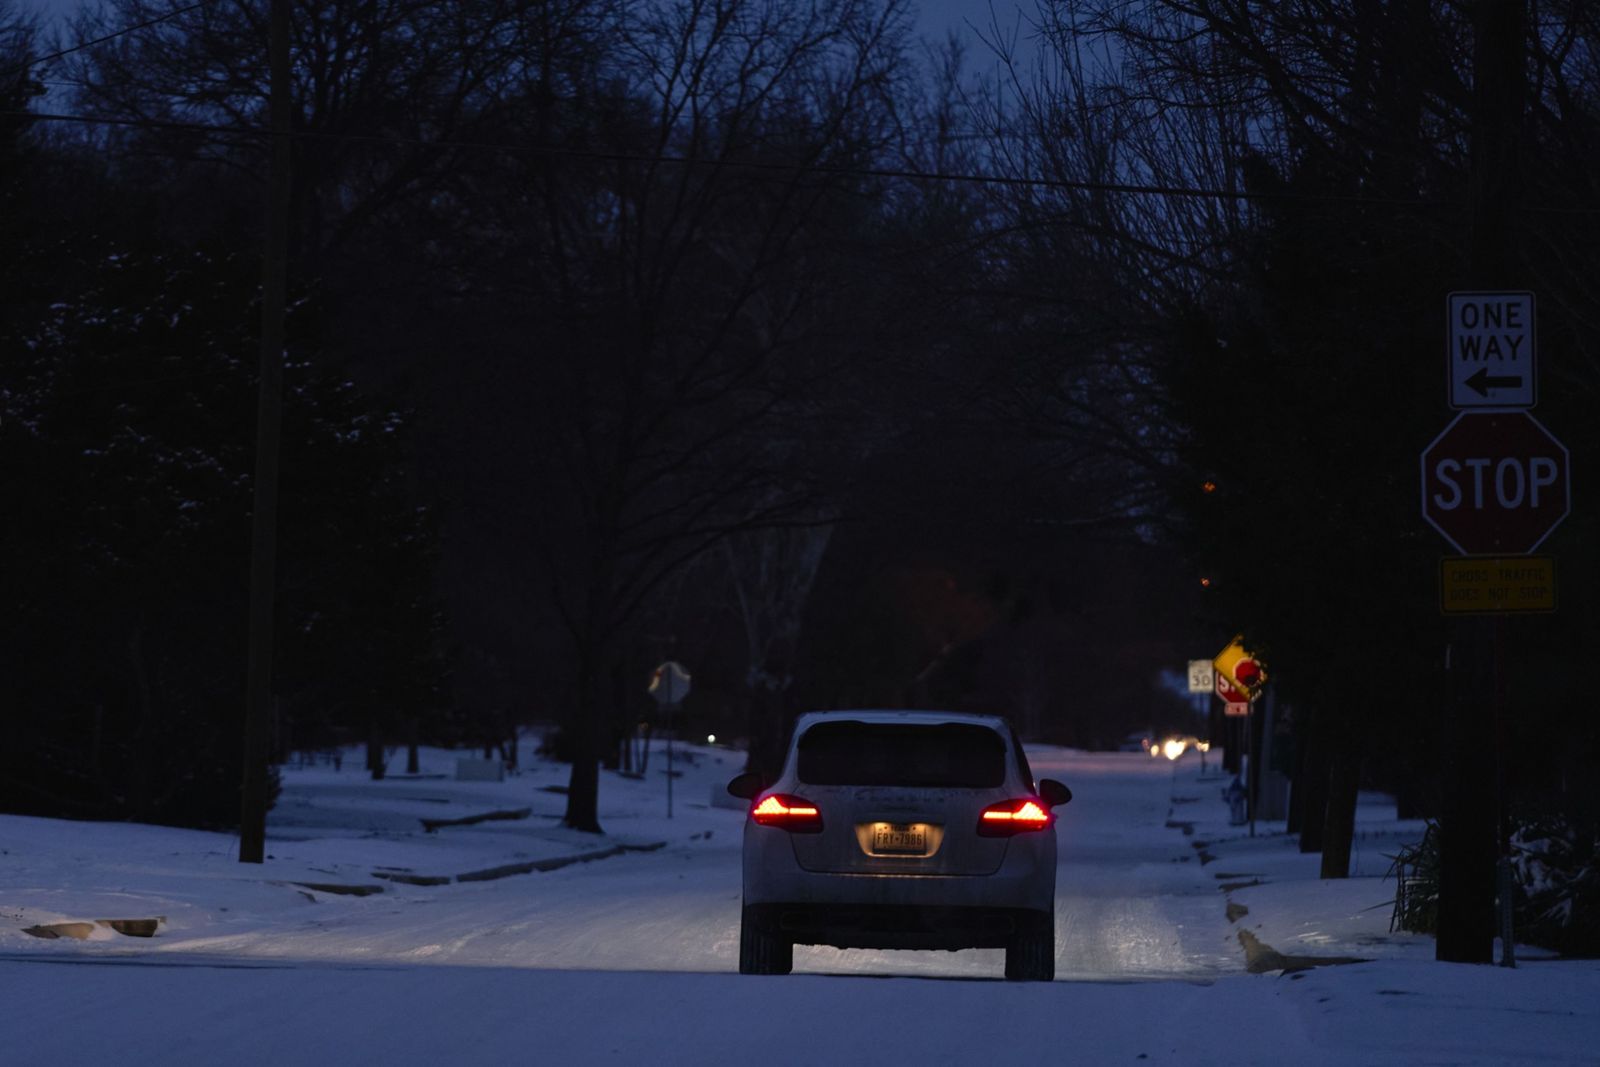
1495	483
1240	677
1202	683
669	684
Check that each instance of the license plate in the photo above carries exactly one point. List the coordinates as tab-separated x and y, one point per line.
909	839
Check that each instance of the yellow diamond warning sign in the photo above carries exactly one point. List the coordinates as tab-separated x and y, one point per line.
1241	668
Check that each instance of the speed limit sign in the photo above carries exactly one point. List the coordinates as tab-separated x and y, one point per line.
1202	676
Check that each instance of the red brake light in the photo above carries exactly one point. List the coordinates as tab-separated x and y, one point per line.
1013	817
792	813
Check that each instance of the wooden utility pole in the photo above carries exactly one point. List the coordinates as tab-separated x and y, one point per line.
269	420
1469	826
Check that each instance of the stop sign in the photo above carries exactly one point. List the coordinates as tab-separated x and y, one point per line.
1495	482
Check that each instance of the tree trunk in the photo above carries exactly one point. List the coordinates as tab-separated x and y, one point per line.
278	754
1415	798
1313	812
1467	827
583	785
1297	775
1469	820
413	729
377	762
615	733
766	730
138	789
1339	822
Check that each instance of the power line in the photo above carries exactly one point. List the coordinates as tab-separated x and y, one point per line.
834	170
791	170
102	40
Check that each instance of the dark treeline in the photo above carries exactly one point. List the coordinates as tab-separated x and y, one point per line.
626	331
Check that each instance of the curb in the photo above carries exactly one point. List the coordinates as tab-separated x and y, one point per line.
508	870
488	874
1260	958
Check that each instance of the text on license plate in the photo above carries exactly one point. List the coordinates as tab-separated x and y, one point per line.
908	838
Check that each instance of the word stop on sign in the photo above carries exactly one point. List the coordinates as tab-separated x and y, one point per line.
1512	481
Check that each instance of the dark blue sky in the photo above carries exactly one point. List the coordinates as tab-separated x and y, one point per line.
969	18
936	17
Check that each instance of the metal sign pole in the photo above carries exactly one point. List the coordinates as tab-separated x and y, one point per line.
1252	773
1503	872
669	684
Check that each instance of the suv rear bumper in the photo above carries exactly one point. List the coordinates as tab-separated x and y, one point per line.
897	926
1026	880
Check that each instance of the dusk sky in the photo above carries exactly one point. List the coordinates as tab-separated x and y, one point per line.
936	17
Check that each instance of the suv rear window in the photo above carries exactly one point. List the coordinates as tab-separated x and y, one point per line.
941	755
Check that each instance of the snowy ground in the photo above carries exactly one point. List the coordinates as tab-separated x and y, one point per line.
630	956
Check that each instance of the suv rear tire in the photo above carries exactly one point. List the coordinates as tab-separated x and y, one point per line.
1031	955
761	952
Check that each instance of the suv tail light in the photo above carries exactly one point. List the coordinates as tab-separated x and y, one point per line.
788	812
1011	817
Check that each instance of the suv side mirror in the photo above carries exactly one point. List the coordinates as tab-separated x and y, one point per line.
747	785
1051	792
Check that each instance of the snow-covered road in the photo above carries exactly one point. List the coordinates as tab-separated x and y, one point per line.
1131	903
631	959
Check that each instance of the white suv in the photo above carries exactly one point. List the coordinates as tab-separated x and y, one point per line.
900	829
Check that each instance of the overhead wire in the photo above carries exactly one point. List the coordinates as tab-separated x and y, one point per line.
1076	185
81	45
900	173
791	170
768	166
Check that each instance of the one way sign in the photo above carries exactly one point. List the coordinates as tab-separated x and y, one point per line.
1492	350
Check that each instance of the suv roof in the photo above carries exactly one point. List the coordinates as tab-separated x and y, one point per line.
887	715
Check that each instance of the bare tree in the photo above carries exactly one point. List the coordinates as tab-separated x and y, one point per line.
1230	179
680	263
772	571
385	93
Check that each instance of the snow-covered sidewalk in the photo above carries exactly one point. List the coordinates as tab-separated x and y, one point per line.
332	835
1274	893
